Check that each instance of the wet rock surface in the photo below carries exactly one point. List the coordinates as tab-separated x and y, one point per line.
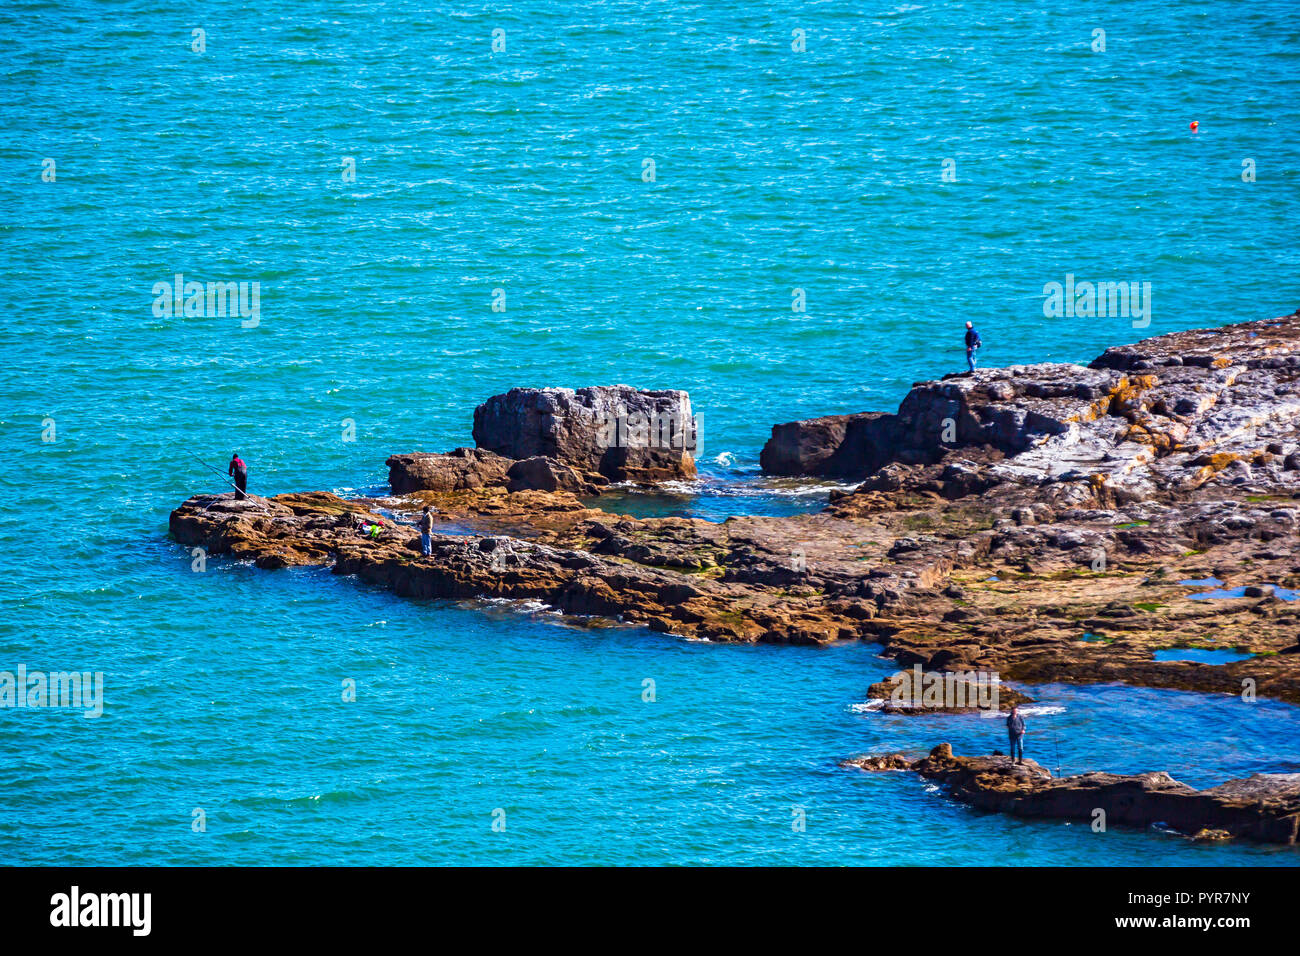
1263	807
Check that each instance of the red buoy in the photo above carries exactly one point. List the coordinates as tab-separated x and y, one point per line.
1193	126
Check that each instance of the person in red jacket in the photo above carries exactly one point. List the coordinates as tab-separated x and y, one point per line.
240	471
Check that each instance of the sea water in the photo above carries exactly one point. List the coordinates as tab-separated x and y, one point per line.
788	209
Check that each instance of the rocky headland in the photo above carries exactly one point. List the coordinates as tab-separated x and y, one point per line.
1031	524
1034	522
1263	807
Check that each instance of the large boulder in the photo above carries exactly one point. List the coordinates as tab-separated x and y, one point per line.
805	447
1004	409
616	431
547	474
836	446
463	469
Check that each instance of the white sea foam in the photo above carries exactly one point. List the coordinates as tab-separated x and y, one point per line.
749	488
1028	710
867	707
801	491
524	605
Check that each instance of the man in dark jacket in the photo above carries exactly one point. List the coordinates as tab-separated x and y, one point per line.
240	471
1016	733
426	531
972	344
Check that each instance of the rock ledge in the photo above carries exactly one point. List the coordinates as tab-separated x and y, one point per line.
1264	807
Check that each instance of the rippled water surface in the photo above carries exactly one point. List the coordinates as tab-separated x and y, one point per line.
523	170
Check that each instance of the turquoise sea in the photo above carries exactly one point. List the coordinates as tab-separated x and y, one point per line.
130	152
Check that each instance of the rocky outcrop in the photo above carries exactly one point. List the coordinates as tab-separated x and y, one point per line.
460	470
321	529
945	686
997	557
1264	807
254	528
1032	525
837	446
548	474
1167	413
615	431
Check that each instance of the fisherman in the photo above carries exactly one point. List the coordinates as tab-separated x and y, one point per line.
426	531
1016	734
972	344
240	471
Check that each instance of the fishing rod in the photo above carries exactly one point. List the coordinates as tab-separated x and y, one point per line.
1057	743
223	476
218	473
